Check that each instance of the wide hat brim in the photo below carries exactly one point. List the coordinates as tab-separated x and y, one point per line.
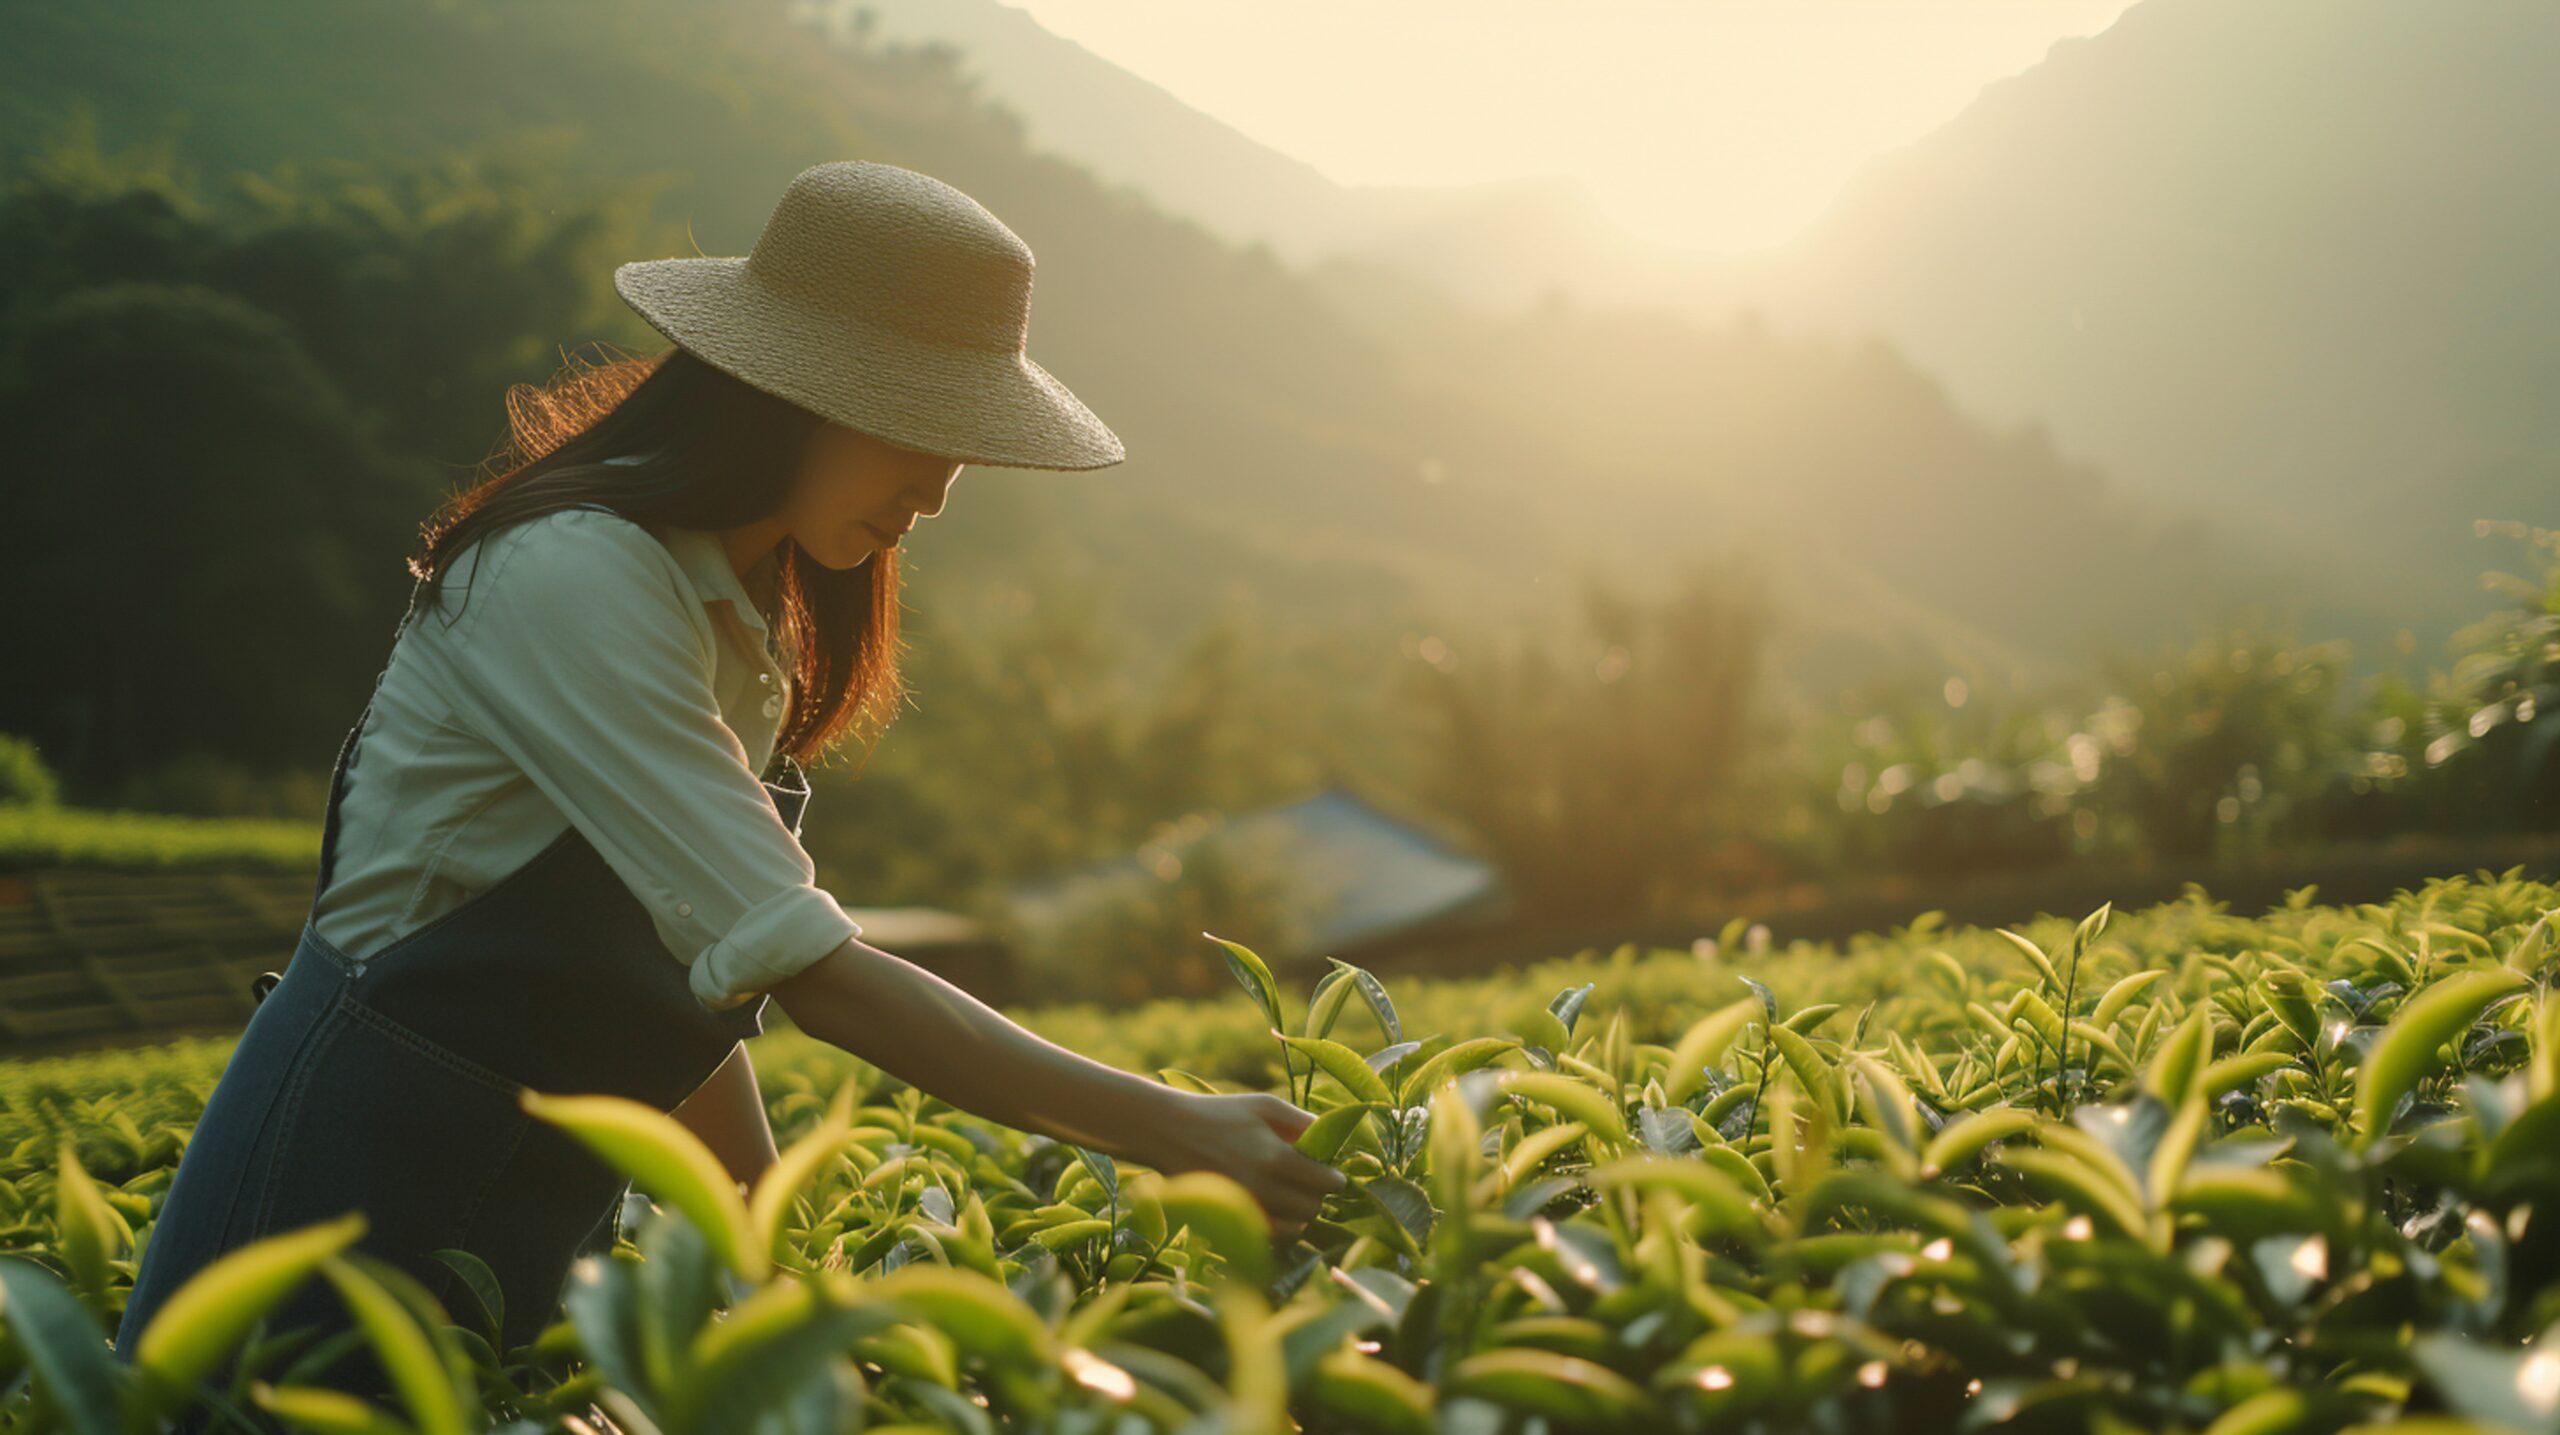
979	406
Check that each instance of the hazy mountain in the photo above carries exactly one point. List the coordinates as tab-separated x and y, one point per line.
1328	446
2293	256
2205	249
1122	127
2286	262
1130	131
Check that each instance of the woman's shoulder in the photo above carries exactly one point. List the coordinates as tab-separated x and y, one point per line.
571	540
582	557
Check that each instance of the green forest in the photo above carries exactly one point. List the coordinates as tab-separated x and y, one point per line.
1367	536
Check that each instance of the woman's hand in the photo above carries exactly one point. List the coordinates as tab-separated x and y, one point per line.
1250	1138
932	1035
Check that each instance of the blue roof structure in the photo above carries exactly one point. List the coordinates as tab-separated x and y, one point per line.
1374	877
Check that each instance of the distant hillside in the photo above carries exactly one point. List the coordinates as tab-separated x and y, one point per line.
1892	523
2290	256
1129	130
1334	451
1124	128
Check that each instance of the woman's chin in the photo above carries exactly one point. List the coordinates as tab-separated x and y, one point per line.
852	556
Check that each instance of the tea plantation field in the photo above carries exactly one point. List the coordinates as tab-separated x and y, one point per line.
2164	1170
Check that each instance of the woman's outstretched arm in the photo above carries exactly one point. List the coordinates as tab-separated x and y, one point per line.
929	1033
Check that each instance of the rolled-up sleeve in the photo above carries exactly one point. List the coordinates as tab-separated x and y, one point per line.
585	657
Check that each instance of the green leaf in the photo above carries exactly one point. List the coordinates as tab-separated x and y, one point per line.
324	1411
2121	995
1375	994
1104	1169
1963	1139
1950	970
1710	1191
1455	1150
1254	975
1562	1388
1543	1029
2034	954
770	1204
980	1315
923	1353
1369	1394
2509	1388
677	1287
1890	1108
1746	1367
1403	1202
417	1369
1567	1004
1225	1218
1324	1137
1576	1099
1812	1072
2407	1050
2294	998
482	1283
1324	1005
750	1364
1703	1046
2247	1203
2131	1131
2177	1147
2174	1069
1805	1020
1466	1056
604	1312
2269	1412
1343	1065
2233	1072
2089	928
206	1318
2082	1187
89	1233
1066	1234
64	1345
664	1158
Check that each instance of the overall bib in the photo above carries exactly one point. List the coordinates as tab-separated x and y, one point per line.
389	1086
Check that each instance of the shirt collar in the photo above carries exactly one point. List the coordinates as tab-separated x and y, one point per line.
705	560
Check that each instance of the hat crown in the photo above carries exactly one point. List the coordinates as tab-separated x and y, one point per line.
882	245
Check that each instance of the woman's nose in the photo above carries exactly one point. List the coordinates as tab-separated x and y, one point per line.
936	495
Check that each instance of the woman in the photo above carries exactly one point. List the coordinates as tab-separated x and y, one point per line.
549	859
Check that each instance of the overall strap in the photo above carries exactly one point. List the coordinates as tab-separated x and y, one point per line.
347	750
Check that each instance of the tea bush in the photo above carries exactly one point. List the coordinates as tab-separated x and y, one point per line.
43	837
2169	1170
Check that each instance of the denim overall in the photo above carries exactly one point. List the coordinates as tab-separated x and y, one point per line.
390	1086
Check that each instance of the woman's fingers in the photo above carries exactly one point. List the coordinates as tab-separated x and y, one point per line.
1290	1213
1305	1173
1285	1117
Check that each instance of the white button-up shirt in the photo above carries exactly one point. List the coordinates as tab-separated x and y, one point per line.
585	671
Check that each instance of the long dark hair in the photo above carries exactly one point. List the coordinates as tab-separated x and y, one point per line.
714	452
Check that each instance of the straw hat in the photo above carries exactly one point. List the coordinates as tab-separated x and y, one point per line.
889	302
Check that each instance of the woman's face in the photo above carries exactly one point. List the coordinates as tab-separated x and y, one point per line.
857	493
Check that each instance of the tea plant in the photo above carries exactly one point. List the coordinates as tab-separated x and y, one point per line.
2159	1170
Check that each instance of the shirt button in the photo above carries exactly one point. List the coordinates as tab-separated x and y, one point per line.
684	909
773	707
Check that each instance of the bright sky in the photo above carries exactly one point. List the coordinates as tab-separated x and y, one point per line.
1704	124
